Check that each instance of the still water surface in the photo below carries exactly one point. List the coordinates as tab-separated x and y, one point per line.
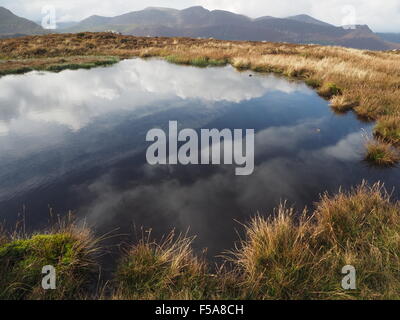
76	141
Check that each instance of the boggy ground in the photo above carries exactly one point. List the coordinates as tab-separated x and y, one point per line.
367	82
285	255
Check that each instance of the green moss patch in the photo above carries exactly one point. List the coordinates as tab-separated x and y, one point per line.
21	263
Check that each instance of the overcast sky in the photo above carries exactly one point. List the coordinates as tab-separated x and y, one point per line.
380	15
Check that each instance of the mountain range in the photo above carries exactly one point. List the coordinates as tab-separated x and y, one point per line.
391	37
198	22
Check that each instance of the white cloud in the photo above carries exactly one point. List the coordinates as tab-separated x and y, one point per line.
379	15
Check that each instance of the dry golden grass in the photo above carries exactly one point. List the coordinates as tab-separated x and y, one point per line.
276	260
289	258
341	104
381	153
388	128
168	270
367	82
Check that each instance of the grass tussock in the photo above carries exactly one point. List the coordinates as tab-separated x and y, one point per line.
288	258
328	90
70	249
276	260
381	153
201	62
341	104
362	229
168	270
388	128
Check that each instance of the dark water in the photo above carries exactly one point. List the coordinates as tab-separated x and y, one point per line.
76	141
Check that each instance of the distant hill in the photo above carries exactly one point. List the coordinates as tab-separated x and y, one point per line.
199	22
12	25
392	37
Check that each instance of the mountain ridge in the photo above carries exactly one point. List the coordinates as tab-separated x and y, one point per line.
199	22
11	24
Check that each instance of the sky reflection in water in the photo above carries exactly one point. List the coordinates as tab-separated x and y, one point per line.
76	141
